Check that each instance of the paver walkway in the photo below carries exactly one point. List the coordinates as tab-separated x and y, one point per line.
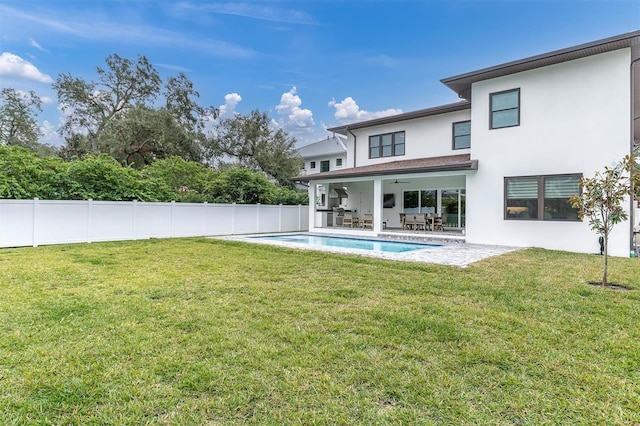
456	254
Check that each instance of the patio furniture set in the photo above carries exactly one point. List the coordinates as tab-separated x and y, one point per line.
421	222
351	221
409	221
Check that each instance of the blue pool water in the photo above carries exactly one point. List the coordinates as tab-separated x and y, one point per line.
353	243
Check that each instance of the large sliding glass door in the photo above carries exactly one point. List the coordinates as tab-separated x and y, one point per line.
450	203
453	207
423	201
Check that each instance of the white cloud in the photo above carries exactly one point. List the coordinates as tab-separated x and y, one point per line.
294	118
348	110
231	101
36	45
173	67
14	66
253	11
47	100
95	27
50	134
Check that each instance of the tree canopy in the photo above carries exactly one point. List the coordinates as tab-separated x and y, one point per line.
120	114
18	120
250	141
24	175
128	113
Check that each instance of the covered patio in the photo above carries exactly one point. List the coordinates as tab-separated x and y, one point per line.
373	199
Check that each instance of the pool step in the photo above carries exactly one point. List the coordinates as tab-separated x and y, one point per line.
423	238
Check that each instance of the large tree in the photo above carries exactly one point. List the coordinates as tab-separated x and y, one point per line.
18	118
91	105
144	135
129	114
250	141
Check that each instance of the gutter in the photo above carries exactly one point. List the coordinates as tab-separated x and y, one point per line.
355	140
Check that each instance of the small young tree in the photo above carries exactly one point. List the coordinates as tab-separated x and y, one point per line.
601	201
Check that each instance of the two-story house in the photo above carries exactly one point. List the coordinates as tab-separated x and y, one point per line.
323	156
326	155
500	164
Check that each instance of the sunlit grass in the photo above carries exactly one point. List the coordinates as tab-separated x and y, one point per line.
198	331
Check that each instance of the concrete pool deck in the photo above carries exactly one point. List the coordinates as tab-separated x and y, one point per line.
454	254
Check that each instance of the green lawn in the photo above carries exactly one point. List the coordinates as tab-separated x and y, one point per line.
196	331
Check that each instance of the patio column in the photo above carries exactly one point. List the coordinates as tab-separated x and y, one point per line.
377	205
312	205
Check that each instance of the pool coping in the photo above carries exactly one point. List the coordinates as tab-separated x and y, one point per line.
453	254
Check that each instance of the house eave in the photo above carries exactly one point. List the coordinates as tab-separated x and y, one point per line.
461	84
426	112
469	165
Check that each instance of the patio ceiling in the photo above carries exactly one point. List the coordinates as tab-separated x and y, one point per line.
460	162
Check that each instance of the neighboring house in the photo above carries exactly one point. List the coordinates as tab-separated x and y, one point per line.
501	164
323	156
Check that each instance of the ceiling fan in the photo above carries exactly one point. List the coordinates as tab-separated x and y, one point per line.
398	181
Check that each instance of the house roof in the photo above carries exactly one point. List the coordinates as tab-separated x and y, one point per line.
442	109
331	145
461	84
420	165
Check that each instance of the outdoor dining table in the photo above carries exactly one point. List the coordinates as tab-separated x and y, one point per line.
429	223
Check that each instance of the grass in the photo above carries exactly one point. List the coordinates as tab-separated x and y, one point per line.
196	331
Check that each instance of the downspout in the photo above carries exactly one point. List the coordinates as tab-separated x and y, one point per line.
631	145
355	140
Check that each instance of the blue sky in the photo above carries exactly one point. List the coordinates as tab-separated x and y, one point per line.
311	64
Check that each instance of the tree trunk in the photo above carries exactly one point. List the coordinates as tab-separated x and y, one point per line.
606	260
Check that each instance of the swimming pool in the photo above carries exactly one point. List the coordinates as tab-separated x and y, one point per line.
350	243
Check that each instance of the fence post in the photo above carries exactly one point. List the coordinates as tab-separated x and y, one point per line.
89	223
173	203
134	220
299	217
258	217
280	217
33	224
233	218
204	231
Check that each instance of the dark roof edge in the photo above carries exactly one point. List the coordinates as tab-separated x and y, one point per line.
467	165
442	109
556	53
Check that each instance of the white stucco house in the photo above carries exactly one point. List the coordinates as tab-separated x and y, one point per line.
324	155
502	162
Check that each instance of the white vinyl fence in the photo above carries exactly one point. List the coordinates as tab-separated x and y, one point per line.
42	222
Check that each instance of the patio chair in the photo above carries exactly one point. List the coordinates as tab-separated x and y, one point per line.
367	221
347	220
410	221
437	223
403	220
420	221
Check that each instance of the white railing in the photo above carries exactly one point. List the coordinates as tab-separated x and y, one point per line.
43	222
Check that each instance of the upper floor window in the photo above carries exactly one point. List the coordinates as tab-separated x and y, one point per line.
324	166
338	162
541	197
461	134
387	145
312	164
505	109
